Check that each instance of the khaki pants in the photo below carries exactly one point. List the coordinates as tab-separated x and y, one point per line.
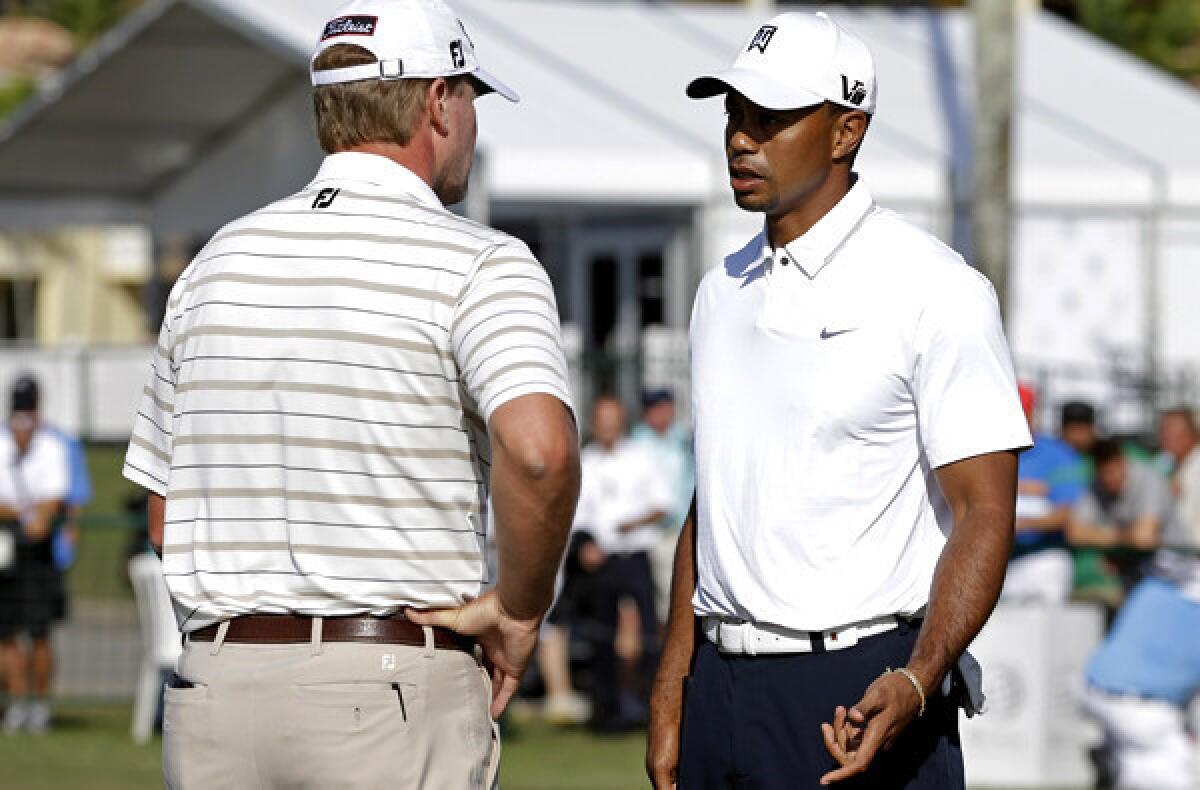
329	715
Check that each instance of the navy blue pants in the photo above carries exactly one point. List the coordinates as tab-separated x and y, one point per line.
755	722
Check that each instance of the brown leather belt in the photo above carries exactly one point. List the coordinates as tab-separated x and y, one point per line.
288	629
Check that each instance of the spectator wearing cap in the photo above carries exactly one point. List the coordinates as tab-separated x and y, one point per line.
857	423
1050	479
670	444
1146	673
34	482
1123	513
1078	426
622	501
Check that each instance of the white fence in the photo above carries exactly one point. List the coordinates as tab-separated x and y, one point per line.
92	392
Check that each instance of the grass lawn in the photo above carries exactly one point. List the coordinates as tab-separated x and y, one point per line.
91	749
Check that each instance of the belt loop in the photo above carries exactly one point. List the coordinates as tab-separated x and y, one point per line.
318	624
219	641
430	647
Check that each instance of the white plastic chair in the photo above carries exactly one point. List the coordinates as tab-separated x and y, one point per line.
161	644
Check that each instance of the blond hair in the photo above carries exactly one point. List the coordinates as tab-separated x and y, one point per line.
351	114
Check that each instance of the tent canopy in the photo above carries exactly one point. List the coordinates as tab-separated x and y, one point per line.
193	111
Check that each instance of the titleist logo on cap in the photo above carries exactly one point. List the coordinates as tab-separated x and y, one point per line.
351	26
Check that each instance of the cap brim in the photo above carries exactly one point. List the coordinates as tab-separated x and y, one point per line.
755	86
493	84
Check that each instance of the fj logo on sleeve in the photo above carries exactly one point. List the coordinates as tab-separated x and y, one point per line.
388	664
826	334
762	38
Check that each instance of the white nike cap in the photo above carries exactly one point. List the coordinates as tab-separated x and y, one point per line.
798	60
411	39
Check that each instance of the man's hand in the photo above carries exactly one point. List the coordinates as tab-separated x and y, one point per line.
856	736
662	738
507	642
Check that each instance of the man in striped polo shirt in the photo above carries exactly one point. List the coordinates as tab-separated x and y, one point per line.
342	379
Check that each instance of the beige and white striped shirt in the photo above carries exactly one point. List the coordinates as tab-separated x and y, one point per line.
317	406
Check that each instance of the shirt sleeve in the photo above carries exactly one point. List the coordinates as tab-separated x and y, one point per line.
506	334
53	479
656	486
148	459
964	385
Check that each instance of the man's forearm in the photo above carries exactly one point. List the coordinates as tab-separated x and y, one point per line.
966	586
534	504
680	643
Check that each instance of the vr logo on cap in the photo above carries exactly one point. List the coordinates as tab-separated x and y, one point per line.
351	26
762	38
853	93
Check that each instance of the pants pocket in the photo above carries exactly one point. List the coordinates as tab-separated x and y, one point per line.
188	744
350	735
491	774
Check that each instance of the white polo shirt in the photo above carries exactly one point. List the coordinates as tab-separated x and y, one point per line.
316	413
40	475
829	380
619	487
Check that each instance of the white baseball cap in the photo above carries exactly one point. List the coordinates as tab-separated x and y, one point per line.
798	60
411	39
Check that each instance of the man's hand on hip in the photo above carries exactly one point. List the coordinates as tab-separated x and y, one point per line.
856	736
507	642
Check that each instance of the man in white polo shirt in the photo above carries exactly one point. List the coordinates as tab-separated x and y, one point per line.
856	423
342	378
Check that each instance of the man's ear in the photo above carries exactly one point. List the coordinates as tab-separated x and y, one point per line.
437	105
849	128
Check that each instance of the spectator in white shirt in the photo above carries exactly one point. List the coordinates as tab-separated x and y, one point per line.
34	480
623	499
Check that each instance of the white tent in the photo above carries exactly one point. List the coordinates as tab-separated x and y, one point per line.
194	111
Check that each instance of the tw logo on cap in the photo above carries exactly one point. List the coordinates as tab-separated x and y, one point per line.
762	38
856	93
351	26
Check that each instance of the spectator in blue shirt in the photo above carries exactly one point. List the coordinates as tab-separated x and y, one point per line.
1050	479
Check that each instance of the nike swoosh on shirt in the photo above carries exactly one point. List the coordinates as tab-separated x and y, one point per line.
826	334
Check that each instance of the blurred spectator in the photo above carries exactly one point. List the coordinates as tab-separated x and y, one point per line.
670	445
623	499
1079	426
79	494
1147	672
563	705
1176	439
1050	481
1123	513
34	482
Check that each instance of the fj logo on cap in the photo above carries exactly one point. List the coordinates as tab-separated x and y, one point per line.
762	38
456	54
351	26
853	93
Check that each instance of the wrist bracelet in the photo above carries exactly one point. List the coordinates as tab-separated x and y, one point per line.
912	678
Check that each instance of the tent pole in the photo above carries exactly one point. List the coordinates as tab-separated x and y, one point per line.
995	24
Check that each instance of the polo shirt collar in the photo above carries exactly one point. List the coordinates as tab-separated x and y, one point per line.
378	171
816	247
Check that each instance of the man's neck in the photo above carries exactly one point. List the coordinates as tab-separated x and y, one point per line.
789	225
415	157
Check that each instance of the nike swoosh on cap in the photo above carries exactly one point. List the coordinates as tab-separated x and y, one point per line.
826	334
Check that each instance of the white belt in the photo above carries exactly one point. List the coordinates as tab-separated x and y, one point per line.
757	639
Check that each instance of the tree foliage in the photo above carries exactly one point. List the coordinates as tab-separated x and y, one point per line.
85	18
1164	32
